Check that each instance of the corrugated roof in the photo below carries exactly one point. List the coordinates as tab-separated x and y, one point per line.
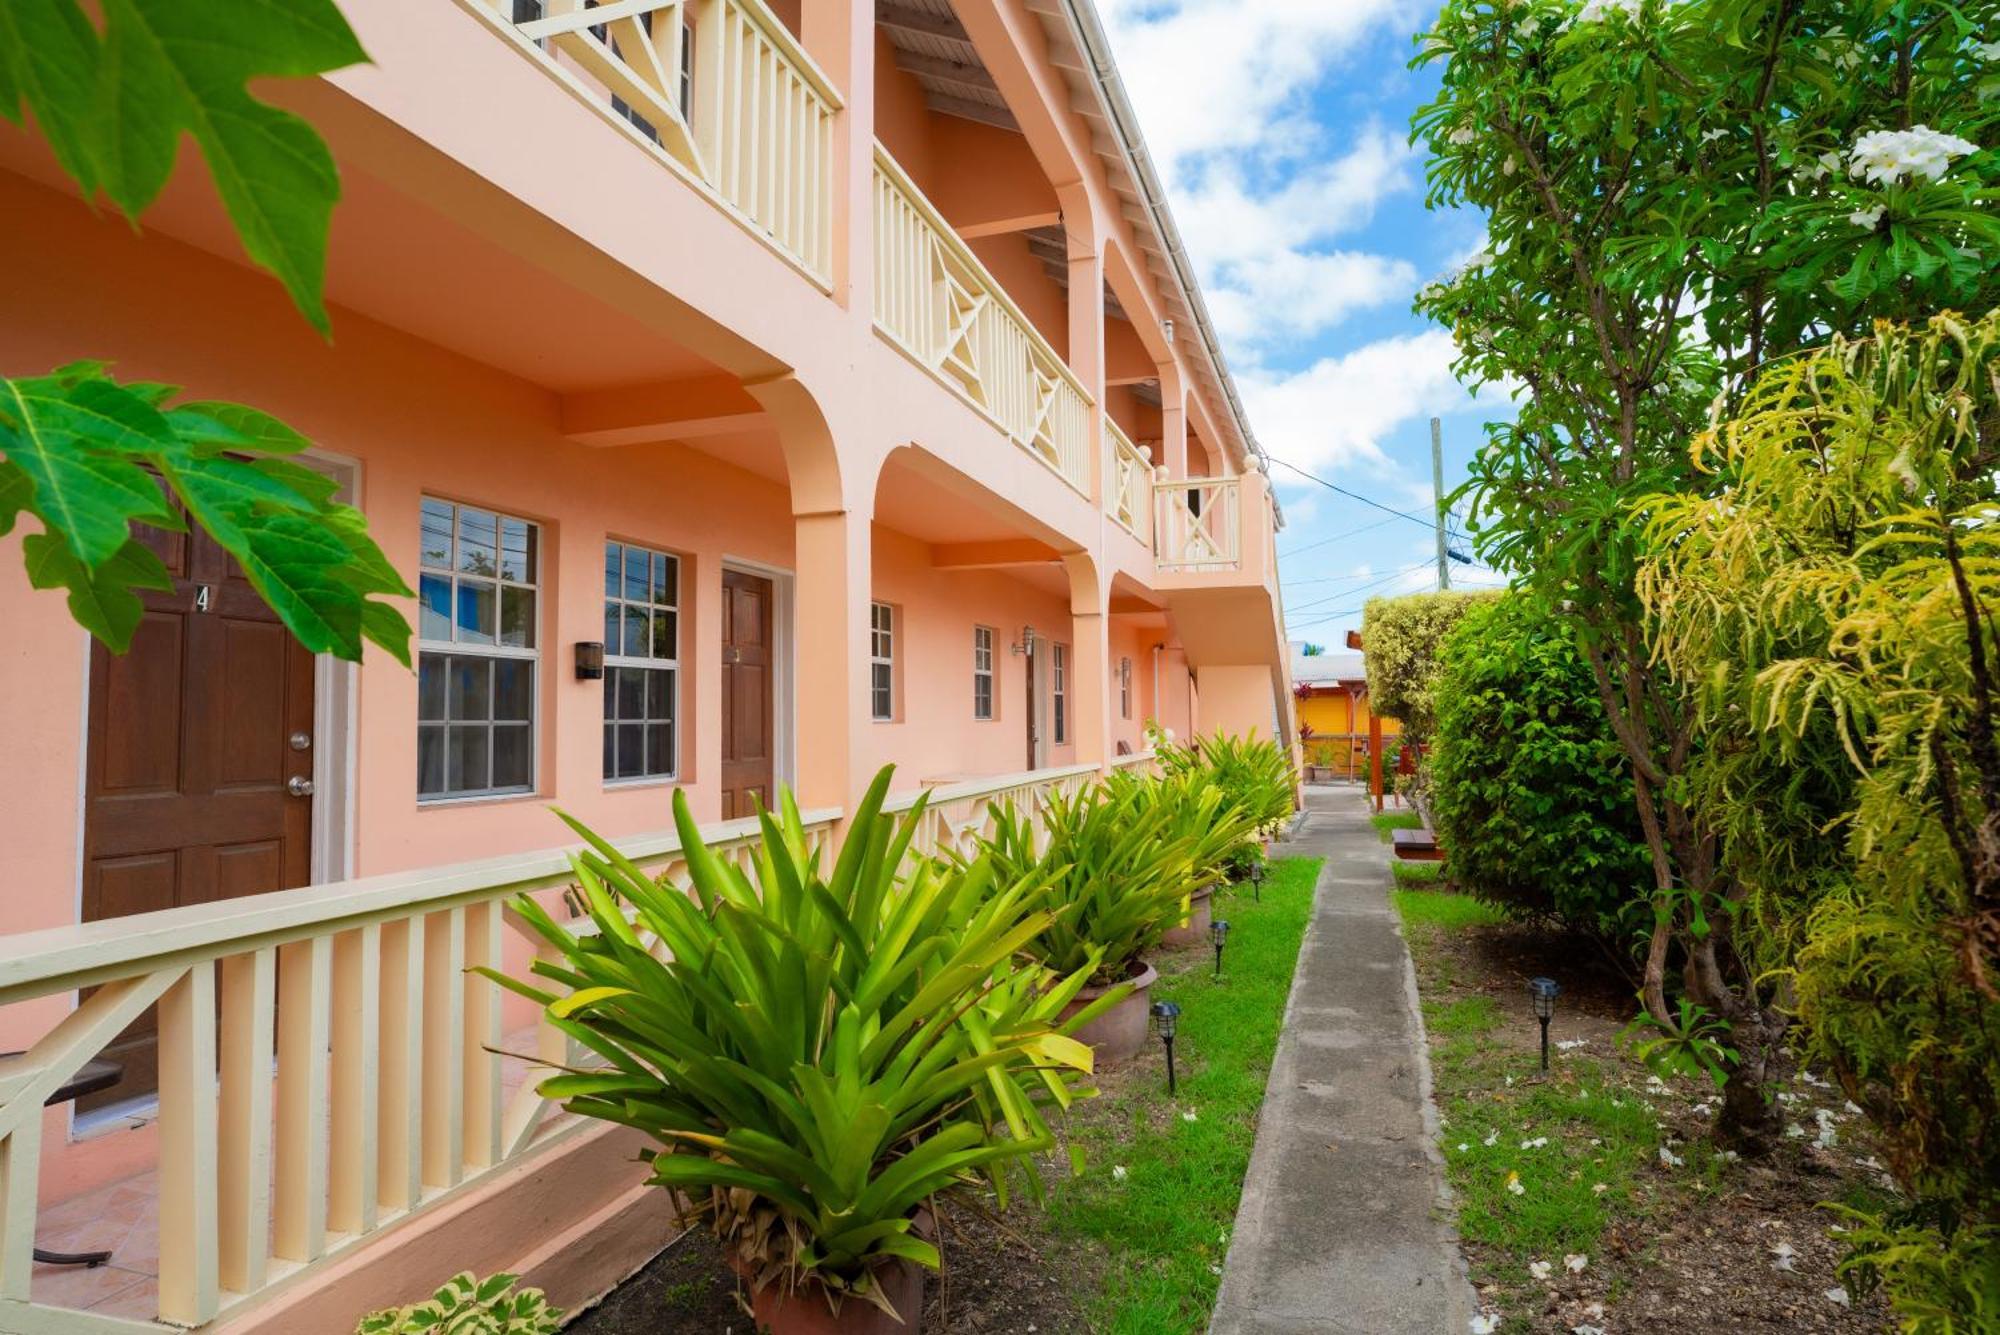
1326	669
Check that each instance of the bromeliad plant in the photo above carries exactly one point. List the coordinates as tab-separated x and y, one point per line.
1115	873
816	1054
1253	773
1220	830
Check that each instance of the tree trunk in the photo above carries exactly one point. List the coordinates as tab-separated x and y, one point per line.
1749	1123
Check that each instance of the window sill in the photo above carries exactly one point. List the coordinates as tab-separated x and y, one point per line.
476	800
650	781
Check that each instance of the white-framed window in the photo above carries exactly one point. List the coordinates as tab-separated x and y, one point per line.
642	598
1059	691
882	661
479	601
1125	688
982	672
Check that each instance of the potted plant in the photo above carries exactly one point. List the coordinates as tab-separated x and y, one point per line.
816	1054
1219	831
1116	874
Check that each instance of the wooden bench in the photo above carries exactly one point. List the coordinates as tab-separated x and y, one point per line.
1416	845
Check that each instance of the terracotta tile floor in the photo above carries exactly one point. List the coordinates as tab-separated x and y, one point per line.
123	1218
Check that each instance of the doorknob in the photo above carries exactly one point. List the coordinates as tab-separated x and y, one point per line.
299	786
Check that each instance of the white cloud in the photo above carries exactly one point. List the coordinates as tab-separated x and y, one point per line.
1225	90
1339	409
1288	293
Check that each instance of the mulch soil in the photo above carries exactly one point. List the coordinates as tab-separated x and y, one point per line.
1689	1261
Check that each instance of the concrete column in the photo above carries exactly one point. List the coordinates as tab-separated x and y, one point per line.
840	37
834	562
1239	700
1090	685
1173	420
1086	319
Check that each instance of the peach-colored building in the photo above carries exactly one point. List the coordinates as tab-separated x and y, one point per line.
757	395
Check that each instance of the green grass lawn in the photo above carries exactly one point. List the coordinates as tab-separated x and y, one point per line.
1540	1166
1385	821
1163	1224
1416	874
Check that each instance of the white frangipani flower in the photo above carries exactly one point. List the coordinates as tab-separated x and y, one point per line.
1539	1269
1784	1256
1586	1330
1461	136
1837	1295
1485	1323
1118	1173
1986	50
1577	1262
1537	1143
1597	11
1888	156
1668	1159
1867	219
1514	1184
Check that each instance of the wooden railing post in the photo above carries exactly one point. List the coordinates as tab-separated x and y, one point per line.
189	1287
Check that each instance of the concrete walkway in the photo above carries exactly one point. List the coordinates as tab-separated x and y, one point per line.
1343	1225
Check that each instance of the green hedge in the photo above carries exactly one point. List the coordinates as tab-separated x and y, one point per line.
1530	793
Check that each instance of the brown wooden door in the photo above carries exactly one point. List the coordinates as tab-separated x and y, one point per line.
747	750
195	734
1029	712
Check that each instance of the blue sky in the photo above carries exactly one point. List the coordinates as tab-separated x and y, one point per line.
1281	127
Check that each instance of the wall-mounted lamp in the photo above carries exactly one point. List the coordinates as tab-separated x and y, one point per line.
1026	644
1167	329
589	660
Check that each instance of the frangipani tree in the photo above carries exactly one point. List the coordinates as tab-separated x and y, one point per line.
1676	195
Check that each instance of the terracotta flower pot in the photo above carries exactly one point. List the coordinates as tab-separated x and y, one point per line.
1120	1031
806	1311
1194	930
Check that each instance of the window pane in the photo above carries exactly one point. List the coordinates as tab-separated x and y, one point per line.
431	670
664	627
611	692
471	695
631	750
436	535
434	592
513	696
635	574
430	761
666	580
659	694
612	621
517	550
660	748
517	617
478	542
467	759
631	693
638	634
613	562
610	750
475	612
510	756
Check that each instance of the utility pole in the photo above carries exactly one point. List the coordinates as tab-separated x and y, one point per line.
1437	490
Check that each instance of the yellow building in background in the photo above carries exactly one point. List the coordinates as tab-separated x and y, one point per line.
1334	719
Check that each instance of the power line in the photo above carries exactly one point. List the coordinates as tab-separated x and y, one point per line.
1349	593
1357	496
1338	537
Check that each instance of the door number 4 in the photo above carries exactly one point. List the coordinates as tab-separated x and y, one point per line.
201	597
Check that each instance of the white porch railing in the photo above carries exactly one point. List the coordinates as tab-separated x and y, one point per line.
1199	523
937	302
1128	483
721	87
386	1095
961	812
1140	762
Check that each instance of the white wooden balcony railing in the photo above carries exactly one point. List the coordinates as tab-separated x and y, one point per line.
386	1097
958	814
937	302
1198	524
1128	486
387	1090
720	87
